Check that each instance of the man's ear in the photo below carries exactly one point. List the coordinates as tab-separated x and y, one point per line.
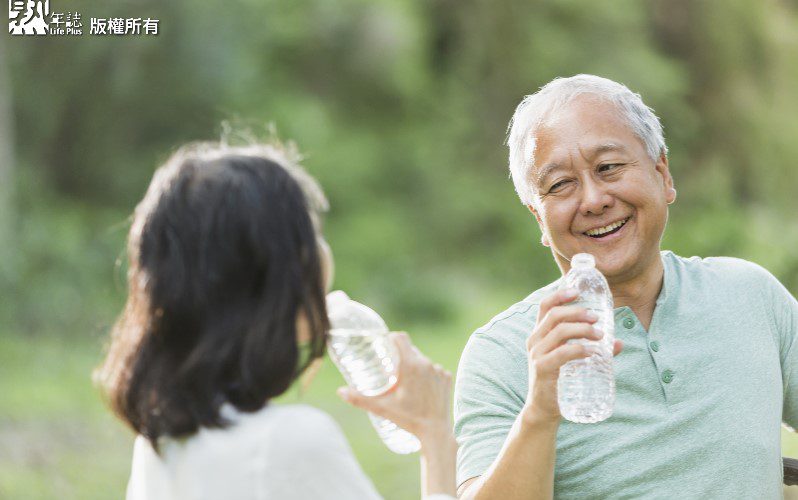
664	171
544	240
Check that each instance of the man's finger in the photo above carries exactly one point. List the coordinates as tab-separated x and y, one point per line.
617	348
563	332
557	298
551	362
563	314
557	315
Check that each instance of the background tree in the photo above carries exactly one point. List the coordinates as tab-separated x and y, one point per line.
7	215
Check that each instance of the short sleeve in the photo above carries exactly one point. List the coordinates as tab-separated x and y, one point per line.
783	307
490	391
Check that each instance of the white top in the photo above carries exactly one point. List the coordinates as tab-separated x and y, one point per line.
291	452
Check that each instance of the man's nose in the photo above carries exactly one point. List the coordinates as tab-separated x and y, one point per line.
595	198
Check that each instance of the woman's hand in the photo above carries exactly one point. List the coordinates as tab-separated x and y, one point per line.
419	401
548	350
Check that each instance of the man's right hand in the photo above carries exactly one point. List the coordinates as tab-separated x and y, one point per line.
532	441
548	350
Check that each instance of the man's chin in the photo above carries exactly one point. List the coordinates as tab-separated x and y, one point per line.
623	265
609	270
613	265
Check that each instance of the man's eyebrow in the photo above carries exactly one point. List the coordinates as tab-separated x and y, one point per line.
546	170
606	147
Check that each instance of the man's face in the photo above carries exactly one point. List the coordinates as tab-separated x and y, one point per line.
591	174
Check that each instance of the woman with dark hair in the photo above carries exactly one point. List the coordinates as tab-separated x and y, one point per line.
226	308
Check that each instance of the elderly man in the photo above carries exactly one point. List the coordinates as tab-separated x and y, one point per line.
709	363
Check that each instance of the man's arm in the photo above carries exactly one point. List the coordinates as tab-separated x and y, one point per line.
525	465
783	310
786	312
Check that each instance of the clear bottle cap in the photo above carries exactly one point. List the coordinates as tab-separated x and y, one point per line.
583	260
337	299
347	314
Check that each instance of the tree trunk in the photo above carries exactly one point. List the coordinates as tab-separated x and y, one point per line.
7	206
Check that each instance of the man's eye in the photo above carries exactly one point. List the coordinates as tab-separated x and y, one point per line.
557	185
608	166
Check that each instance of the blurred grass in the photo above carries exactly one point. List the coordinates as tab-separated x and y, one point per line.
57	440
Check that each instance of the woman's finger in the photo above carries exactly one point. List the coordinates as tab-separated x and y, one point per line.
354	398
401	340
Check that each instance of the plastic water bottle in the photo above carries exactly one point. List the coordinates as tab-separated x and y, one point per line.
359	346
586	387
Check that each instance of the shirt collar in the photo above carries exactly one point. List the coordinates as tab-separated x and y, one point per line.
667	282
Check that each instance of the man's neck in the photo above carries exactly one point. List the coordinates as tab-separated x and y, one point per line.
640	293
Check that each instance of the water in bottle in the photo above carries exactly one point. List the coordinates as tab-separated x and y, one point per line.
359	346
586	386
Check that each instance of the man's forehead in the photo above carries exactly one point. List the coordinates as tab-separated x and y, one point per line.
585	117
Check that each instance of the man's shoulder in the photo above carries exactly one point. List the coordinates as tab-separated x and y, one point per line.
518	312
719	270
508	330
521	313
497	350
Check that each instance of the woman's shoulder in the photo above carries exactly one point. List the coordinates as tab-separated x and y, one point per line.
285	416
306	454
274	430
299	451
289	424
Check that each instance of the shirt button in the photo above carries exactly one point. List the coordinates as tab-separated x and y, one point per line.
628	322
667	376
654	346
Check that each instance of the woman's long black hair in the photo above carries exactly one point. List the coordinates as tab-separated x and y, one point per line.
223	266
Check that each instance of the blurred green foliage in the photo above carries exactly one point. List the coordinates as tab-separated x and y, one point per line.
401	109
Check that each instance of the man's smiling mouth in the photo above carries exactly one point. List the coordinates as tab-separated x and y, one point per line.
608	229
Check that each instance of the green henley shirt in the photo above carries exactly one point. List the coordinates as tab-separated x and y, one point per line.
700	396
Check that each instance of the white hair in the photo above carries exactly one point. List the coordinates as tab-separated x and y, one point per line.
536	108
